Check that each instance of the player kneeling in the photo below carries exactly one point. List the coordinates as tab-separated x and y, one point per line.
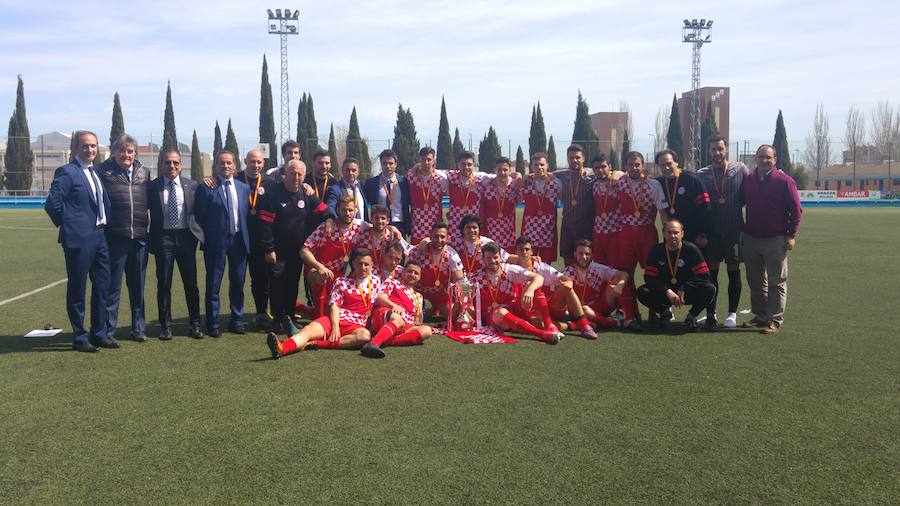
507	295
564	302
350	305
397	317
598	287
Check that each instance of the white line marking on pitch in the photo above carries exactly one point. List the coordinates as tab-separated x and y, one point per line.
26	294
26	228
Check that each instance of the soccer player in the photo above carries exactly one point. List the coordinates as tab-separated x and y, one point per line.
540	191
320	177
499	197
350	305
687	198
441	266
641	199
463	187
576	193
563	303
392	256
607	212
507	295
471	244
676	275
427	187
599	287
724	182
397	317
381	233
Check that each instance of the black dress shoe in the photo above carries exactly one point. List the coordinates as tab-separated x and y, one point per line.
214	332
84	347
109	342
195	332
165	335
237	328
139	337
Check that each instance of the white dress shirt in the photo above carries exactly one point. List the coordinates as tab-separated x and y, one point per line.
86	168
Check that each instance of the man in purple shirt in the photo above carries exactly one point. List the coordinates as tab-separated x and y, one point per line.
773	217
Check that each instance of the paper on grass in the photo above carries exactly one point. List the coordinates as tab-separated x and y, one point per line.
43	333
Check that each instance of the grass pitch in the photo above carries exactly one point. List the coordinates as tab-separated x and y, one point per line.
810	415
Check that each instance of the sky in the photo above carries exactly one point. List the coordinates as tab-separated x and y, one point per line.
491	60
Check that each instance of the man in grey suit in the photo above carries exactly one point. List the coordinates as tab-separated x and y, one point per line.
172	240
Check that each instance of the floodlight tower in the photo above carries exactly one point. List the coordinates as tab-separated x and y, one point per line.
696	33
284	23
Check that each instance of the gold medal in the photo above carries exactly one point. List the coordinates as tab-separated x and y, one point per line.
674	280
493	306
603	215
574	202
437	283
721	200
671	210
637	214
540	212
466	208
253	212
346	258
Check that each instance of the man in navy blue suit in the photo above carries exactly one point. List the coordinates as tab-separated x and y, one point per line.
348	185
390	190
78	205
222	214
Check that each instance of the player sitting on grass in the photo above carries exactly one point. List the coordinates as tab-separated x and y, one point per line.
349	307
507	295
564	303
597	286
397	317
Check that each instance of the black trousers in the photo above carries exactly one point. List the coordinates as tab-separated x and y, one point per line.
697	295
259	280
284	282
177	246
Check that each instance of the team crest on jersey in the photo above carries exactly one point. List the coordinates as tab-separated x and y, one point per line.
262	191
681	190
301	204
283	204
680	262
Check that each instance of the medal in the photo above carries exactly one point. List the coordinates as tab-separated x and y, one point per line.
253	212
437	283
466	208
574	202
674	280
540	212
493	306
637	214
346	258
603	215
671	210
721	200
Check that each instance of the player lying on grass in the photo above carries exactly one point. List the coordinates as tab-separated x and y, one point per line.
598	287
507	295
349	308
563	303
397	317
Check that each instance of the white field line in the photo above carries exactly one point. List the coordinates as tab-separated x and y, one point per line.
26	294
25	228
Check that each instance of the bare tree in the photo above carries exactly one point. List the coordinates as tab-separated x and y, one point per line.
882	128
629	126
662	129
855	134
818	145
340	140
894	145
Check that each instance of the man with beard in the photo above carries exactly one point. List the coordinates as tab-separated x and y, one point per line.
598	287
676	275
688	200
256	181
287	214
607	213
397	317
724	181
391	190
471	244
377	237
391	265
464	185
499	197
641	200
540	191
290	150
320	178
441	266
576	193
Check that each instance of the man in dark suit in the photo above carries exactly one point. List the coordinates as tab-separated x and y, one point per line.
171	199
348	185
78	205
222	214
125	180
390	190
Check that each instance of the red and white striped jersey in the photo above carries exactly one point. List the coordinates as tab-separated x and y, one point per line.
436	267
426	193
498	209
644	196
590	284
608	217
333	249
464	199
471	256
354	298
500	289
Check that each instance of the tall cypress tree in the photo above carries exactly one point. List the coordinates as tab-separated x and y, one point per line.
458	146
626	148
302	133
170	138
445	157
521	166
583	132
232	145
707	130
196	159
489	150
72	142
614	160
551	155
217	140
332	147
674	137
365	161
537	139
405	143
354	139
780	142
118	121
312	131
18	159
267	116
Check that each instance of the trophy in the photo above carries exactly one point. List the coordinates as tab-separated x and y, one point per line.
463	295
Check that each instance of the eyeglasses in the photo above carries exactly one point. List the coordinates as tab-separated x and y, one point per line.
171	162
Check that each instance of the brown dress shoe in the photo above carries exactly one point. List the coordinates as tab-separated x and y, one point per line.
771	328
754	323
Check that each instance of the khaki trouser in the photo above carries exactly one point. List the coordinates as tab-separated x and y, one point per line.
765	261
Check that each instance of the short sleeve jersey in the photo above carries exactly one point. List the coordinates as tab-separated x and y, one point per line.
354	298
590	284
436	267
608	211
471	256
501	289
640	200
333	249
426	193
409	300
548	272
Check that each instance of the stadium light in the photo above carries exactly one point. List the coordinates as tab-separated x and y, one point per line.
695	33
709	23
284	22
687	23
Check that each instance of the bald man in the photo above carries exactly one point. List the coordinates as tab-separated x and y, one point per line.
255	178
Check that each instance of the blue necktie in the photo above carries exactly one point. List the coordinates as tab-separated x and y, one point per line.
229	205
172	205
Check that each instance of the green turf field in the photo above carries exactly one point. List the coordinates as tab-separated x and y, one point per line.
811	415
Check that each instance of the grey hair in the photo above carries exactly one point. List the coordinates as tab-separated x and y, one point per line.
121	141
79	133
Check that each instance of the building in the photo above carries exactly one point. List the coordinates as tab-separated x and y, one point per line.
610	128
720	98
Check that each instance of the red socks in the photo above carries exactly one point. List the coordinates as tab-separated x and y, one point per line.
384	334
322	344
627	301
409	338
580	322
542	307
519	325
605	322
288	346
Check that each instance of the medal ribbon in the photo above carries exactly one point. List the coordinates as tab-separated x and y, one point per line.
574	195
471	265
367	297
674	192
605	196
255	195
719	188
390	194
468	190
494	290
324	187
673	271
633	193
437	270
